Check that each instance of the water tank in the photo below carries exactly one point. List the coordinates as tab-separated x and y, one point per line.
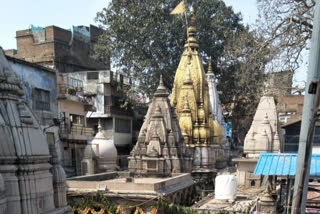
225	187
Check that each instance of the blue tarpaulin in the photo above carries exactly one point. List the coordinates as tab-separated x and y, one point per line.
284	164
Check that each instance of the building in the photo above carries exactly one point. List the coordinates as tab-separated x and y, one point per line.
280	83
158	163
118	124
62	51
74	133
65	50
31	179
40	91
160	149
223	153
264	135
279	194
291	137
190	100
289	108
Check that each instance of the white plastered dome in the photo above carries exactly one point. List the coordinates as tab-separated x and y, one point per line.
104	151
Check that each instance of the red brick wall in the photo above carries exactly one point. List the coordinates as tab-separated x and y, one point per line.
60	48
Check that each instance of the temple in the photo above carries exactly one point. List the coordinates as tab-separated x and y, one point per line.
264	135
160	150
190	100
32	180
223	153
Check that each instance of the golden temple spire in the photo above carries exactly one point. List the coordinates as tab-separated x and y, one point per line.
193	112
191	32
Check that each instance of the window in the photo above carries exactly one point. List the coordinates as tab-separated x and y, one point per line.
92	75
41	99
77	119
122	125
74	83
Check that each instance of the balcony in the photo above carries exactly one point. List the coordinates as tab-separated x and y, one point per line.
76	132
75	94
117	110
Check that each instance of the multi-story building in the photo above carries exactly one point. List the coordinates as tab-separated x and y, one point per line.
65	50
60	51
74	134
120	124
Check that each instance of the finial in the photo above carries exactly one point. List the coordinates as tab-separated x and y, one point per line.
210	65
161	89
99	125
191	32
161	81
191	10
161	85
193	18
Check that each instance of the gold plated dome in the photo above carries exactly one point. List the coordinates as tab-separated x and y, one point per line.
190	95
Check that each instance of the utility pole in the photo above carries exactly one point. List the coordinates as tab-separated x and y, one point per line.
305	142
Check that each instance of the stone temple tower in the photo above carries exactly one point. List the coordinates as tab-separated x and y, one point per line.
160	150
223	154
26	184
190	99
264	135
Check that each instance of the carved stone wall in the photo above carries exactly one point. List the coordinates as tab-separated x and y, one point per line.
160	150
24	153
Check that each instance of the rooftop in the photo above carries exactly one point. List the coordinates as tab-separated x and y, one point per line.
284	164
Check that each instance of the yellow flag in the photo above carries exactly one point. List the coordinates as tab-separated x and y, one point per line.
180	8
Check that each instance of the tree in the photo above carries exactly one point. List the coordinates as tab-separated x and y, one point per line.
243	65
145	41
287	25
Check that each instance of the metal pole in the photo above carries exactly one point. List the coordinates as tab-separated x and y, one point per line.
305	146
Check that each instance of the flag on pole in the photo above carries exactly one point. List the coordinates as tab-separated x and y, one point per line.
180	8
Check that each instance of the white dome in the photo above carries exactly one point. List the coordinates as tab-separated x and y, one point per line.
105	152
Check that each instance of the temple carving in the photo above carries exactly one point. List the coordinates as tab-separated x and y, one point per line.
190	95
32	180
160	150
191	103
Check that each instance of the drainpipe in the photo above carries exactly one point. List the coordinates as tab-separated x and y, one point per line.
306	132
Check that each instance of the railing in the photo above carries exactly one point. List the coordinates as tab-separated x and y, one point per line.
75	129
77	93
69	89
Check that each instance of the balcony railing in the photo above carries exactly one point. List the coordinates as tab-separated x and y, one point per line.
75	131
74	93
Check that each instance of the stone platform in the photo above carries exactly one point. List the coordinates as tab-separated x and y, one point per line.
122	188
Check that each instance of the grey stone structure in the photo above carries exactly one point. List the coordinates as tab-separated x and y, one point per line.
160	148
264	135
26	184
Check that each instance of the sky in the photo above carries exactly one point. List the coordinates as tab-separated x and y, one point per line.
20	14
